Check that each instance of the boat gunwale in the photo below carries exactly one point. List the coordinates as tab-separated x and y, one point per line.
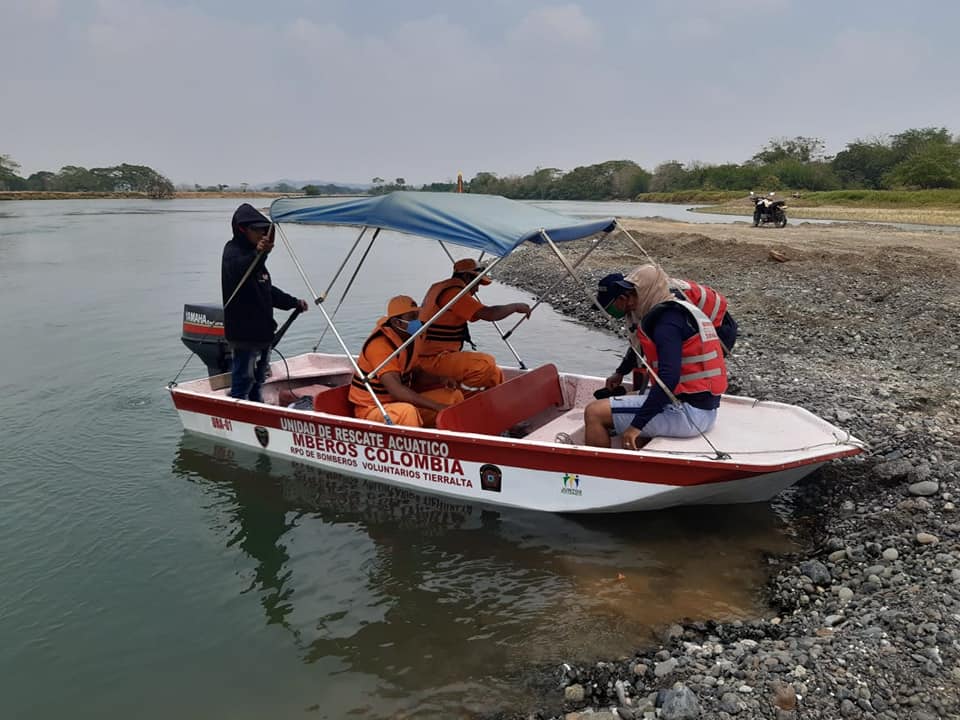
653	457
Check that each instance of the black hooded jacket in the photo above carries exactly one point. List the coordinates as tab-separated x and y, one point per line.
248	319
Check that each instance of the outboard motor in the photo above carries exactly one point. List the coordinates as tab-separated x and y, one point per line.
203	334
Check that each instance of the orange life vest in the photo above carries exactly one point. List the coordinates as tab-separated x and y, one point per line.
702	367
712	303
448	332
359	395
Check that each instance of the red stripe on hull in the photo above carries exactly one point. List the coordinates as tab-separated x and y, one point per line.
664	471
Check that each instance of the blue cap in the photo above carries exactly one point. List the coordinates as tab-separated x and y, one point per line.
611	287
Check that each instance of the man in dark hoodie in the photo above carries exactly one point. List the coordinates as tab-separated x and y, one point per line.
248	302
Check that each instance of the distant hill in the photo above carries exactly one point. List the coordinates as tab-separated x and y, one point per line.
360	187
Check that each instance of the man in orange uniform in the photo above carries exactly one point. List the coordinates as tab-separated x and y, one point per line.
442	351
394	383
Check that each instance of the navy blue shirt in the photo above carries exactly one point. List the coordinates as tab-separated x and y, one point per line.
672	327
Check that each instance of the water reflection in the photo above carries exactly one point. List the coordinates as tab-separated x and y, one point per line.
430	595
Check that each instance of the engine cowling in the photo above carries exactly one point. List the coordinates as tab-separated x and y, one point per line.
203	334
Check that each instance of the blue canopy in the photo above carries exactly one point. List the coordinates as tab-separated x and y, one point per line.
489	223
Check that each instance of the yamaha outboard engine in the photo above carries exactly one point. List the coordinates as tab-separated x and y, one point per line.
203	334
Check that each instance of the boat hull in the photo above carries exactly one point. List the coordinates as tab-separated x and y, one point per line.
491	470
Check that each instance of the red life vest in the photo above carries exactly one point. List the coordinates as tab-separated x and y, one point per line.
359	395
448	332
702	367
712	303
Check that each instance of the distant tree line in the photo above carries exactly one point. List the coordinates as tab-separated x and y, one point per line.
382	187
324	189
913	159
122	178
919	158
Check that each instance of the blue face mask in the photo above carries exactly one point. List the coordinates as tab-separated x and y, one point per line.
413	326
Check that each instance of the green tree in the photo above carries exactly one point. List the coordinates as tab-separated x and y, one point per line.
863	164
669	177
484	183
730	176
801	149
73	178
910	142
9	165
10	174
934	166
42	180
311	190
803	175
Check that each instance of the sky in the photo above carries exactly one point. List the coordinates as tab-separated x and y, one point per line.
231	91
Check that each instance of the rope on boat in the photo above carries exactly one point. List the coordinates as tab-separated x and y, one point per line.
173	383
838	440
289	380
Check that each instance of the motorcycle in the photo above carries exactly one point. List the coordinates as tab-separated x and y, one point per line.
767	210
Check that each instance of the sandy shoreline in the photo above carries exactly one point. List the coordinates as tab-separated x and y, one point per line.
864	622
797	211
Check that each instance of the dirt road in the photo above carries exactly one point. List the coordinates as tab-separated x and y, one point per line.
815	237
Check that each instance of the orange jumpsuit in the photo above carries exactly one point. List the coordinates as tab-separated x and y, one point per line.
441	351
383	341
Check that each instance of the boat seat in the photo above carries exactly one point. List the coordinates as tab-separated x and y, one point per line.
334	401
498	409
570	423
287	396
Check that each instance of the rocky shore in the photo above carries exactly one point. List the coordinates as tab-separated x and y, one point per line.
859	326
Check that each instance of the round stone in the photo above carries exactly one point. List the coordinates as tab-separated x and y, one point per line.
890	554
924	488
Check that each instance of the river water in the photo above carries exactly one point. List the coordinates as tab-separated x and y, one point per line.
151	574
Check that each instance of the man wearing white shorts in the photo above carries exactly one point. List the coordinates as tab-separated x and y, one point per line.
679	342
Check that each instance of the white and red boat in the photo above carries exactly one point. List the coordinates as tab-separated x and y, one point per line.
755	450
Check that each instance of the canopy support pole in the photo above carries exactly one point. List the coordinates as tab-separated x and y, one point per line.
317	299
559	282
622	229
336	275
473	283
653	374
503	337
350	283
356	368
640	247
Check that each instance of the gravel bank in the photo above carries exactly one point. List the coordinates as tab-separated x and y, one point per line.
865	621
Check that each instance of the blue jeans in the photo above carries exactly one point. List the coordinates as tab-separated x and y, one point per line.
248	373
